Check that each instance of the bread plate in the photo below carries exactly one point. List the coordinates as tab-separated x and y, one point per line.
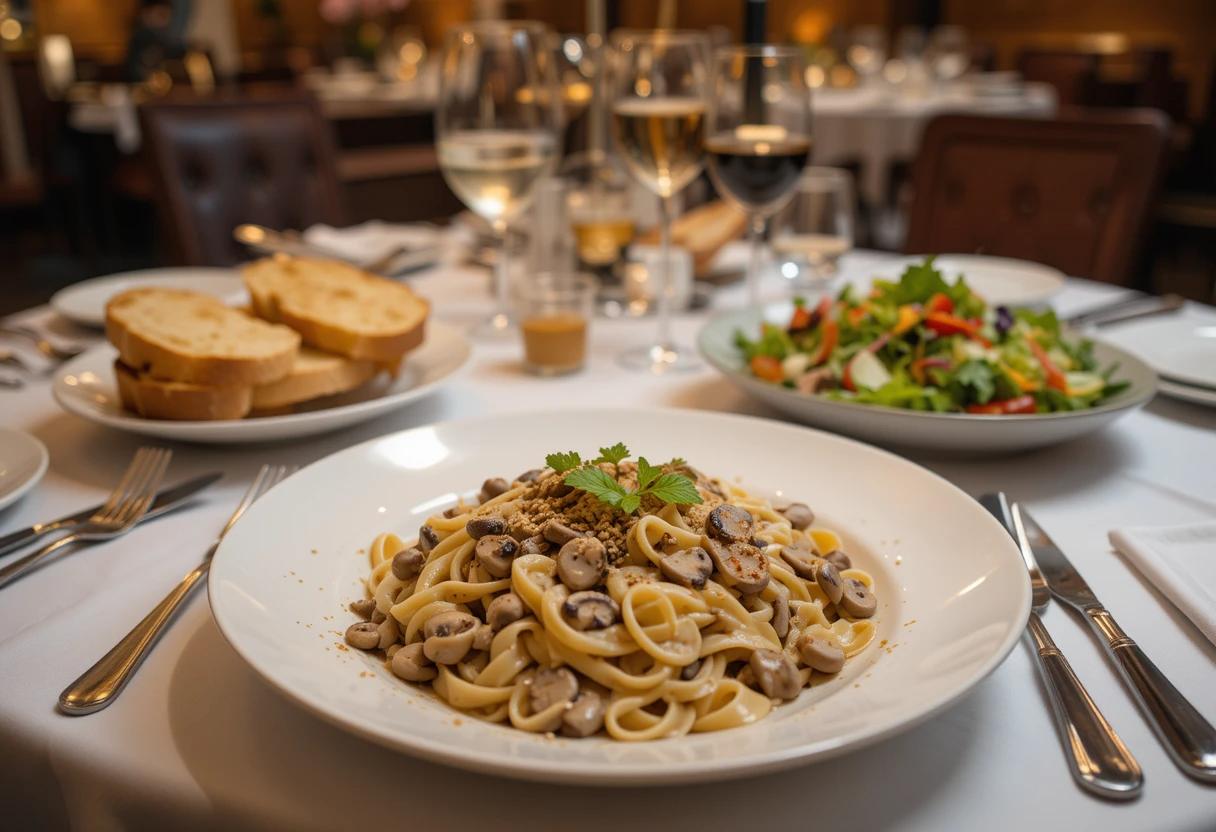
86	386
954	591
917	429
85	302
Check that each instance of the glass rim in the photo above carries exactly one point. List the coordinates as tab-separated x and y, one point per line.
759	50
498	27
618	36
821	173
562	284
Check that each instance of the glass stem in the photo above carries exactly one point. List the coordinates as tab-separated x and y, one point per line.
502	272
663	299
754	260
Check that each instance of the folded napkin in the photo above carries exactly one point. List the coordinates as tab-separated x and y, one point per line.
1181	562
373	239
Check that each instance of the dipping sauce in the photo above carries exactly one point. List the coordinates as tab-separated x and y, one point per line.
555	343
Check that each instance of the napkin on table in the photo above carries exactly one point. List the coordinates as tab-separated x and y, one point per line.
373	239
1181	562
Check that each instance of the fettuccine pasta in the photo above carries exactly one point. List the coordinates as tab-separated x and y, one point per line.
543	607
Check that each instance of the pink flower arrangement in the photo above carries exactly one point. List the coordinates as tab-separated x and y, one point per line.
342	11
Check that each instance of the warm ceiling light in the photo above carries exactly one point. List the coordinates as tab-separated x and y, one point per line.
10	29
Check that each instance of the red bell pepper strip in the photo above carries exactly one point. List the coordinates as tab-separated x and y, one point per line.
940	303
1004	407
944	324
767	368
1055	377
800	320
831	334
917	368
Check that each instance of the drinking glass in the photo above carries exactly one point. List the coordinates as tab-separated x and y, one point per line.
867	52
497	129
759	135
948	53
555	311
815	229
658	83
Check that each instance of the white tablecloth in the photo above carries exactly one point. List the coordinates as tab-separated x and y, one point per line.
880	128
199	742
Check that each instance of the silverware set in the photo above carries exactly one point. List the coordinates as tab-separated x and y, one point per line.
11	360
1098	759
137	497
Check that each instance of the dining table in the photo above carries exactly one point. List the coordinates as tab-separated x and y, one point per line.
199	741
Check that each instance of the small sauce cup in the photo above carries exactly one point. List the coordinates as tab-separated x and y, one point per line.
554	313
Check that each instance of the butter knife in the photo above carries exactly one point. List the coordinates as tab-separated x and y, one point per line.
1187	736
167	500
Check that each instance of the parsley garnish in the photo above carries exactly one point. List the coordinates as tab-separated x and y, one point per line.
652	482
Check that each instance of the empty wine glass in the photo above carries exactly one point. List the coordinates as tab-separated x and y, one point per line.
812	233
497	128
659	83
948	53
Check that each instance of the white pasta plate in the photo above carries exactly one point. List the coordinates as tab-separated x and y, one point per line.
86	387
952	593
955	432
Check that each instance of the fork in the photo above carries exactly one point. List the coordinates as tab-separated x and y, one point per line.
101	684
1098	760
41	343
10	359
127	504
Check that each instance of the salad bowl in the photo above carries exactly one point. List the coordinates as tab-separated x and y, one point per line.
927	429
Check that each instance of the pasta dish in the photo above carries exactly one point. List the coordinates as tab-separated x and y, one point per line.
610	596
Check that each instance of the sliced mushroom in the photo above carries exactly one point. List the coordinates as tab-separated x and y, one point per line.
408	563
582	562
493	487
377	616
820	653
535	545
761	543
411	664
454	511
559	534
689	671
857	600
838	559
775	674
729	523
781	616
590	611
363	607
363	635
482	637
495	553
801	559
503	610
427	539
449	636
688	567
742	565
480	527
585	715
531	475
829	581
550	686
799	514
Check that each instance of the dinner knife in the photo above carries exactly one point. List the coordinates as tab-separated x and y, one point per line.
1097	758
1187	736
167	500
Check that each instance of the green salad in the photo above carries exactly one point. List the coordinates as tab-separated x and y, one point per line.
924	344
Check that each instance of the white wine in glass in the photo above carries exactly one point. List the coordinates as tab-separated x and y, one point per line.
496	125
659	81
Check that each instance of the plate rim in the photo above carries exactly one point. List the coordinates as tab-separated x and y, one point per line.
1131	399
56	301
1148	328
697	770
44	462
265	426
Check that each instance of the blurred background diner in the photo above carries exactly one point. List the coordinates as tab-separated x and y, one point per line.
1082	136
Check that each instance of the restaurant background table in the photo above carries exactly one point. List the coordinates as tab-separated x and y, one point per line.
197	741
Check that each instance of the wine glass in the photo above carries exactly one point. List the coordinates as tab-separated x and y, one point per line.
497	127
867	52
815	229
659	82
948	53
759	135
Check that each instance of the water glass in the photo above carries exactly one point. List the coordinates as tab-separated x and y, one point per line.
815	229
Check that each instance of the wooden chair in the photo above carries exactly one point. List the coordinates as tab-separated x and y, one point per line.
223	161
1072	193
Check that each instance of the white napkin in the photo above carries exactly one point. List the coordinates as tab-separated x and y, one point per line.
1181	562
373	239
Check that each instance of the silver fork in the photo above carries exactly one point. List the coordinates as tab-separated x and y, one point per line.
100	685
41	343
10	359
1097	758
127	504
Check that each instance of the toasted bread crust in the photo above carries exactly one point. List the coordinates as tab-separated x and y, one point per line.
286	290
180	401
315	375
151	354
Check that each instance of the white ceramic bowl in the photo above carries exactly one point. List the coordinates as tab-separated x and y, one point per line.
910	428
953	593
86	387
